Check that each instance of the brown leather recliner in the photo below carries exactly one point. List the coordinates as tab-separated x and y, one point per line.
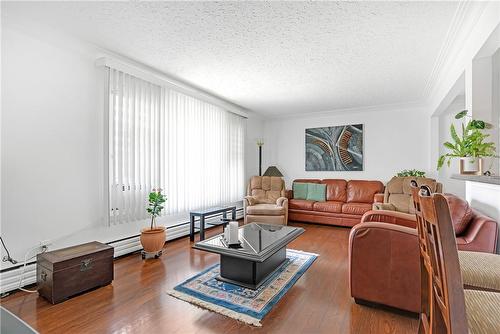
265	201
384	265
397	194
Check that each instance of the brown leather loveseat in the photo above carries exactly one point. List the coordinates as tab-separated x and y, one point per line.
346	202
384	265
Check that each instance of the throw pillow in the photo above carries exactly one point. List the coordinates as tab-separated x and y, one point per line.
316	192
299	190
252	200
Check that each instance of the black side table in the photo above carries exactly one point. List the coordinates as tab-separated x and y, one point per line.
208	212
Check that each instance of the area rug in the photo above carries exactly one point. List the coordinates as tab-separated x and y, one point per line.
247	305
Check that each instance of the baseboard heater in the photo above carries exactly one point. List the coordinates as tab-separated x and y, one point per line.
9	277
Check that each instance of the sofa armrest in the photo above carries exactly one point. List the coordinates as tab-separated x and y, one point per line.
251	200
383	206
384	265
282	201
378	198
289	193
390	217
481	235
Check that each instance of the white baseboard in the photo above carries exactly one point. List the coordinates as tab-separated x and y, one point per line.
9	279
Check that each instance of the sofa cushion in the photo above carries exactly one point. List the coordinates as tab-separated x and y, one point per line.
252	200
361	191
307	180
356	208
460	211
263	196
402	185
300	204
431	183
299	190
266	209
267	189
336	190
272	196
395	185
328	206
402	202
316	192
256	182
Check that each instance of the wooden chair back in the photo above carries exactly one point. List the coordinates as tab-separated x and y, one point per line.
446	297
425	265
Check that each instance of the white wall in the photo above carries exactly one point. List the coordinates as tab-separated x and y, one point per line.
447	118
255	131
479	40
52	142
51	153
485	198
394	139
472	37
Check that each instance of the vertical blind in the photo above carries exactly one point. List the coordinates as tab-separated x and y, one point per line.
162	138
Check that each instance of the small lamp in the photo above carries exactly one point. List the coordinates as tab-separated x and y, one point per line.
272	171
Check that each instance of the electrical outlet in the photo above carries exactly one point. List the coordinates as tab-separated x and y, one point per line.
45	243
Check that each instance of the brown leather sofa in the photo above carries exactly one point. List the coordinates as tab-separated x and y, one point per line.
384	266
346	202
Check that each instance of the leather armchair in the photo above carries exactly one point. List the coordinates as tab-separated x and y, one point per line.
391	217
473	231
265	201
397	193
384	265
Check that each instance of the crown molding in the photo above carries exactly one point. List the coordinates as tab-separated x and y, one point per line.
404	106
465	18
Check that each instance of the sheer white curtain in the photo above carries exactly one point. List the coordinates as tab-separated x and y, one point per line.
159	137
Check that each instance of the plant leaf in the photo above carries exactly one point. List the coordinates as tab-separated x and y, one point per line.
454	135
461	114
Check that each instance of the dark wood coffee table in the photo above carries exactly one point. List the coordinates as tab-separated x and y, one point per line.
261	252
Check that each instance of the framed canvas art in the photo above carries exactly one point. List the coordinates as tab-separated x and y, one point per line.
335	148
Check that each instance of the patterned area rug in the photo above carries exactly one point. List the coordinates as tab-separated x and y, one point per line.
246	305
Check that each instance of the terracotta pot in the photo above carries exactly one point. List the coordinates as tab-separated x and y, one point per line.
152	240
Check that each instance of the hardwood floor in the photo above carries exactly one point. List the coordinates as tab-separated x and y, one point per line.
136	301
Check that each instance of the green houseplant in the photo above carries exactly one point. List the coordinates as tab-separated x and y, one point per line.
153	237
470	146
411	172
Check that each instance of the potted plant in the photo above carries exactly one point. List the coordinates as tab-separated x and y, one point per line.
153	237
411	172
470	147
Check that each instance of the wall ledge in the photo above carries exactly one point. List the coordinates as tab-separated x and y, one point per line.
477	178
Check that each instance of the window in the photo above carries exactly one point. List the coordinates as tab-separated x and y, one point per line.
160	137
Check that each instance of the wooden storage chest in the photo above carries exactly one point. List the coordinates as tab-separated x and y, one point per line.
69	271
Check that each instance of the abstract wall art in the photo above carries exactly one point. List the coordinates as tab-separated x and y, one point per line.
335	148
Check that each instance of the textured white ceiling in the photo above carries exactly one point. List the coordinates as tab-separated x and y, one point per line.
271	57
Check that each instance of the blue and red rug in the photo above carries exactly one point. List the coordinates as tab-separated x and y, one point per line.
247	305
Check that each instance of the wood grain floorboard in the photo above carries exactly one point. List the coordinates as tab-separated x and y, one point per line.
136	301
